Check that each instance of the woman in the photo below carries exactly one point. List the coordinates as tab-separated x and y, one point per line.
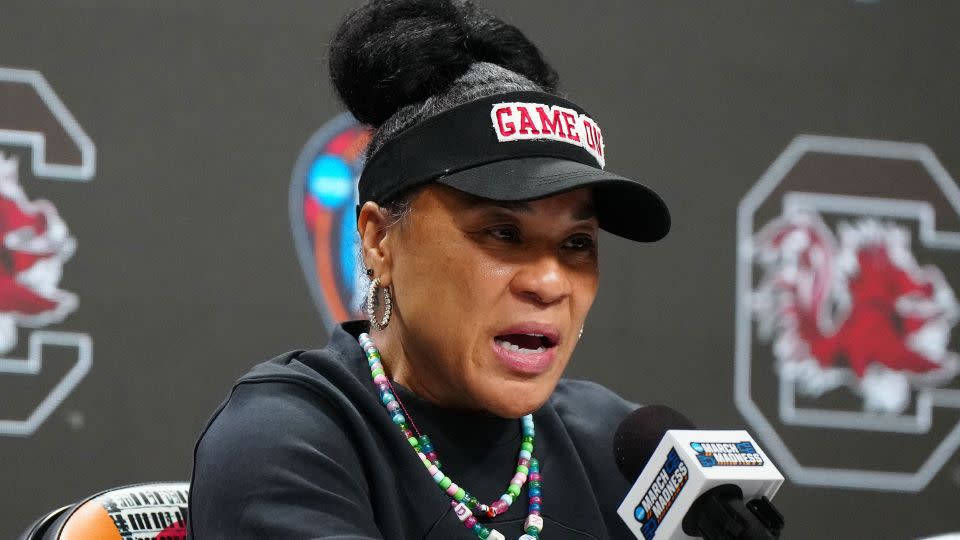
444	415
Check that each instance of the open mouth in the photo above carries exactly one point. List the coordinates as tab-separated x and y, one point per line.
525	343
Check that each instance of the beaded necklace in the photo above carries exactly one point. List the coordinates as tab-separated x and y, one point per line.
464	504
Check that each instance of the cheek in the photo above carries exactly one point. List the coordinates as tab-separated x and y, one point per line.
585	286
446	286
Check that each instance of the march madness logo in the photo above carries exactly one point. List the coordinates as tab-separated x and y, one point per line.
323	198
726	454
39	141
848	258
660	496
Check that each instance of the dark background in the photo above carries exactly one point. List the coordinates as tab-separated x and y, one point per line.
186	269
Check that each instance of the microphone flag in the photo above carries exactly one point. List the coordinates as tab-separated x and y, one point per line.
687	464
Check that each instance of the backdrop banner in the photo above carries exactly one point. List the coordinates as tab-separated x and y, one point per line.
177	191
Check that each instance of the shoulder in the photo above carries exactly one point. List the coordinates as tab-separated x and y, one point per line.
588	408
272	419
262	405
286	408
302	394
590	414
291	426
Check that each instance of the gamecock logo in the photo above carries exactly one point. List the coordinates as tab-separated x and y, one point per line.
35	244
858	311
846	323
37	131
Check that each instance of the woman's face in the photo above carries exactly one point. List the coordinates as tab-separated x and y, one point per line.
489	297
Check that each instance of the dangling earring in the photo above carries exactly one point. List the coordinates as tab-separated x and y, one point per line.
372	305
580	335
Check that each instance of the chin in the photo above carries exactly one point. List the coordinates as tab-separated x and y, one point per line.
518	399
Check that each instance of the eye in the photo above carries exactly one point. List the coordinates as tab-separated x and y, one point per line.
580	242
505	233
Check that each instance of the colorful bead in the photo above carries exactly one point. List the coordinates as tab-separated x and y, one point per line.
461	511
498	507
535	522
464	504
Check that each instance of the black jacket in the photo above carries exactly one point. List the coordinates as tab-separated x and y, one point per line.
303	448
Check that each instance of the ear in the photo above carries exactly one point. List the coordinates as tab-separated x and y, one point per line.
375	241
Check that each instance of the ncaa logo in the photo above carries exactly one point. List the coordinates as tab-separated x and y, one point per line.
848	258
323	199
39	141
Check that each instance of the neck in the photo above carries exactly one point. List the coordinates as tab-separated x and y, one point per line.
407	366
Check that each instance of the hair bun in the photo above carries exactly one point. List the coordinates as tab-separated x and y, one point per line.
387	54
493	40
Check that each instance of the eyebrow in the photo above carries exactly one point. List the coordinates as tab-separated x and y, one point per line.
584	212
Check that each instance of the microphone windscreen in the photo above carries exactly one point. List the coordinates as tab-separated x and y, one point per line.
639	434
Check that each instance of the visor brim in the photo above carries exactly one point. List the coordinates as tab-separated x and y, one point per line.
625	207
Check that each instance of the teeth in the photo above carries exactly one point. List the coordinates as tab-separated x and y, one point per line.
516	348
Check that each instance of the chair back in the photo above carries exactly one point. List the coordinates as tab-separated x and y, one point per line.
154	511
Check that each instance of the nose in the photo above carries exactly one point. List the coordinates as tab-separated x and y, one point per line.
542	280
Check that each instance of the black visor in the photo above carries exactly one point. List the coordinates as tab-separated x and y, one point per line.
514	147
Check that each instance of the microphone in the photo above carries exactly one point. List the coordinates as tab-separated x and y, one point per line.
690	483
